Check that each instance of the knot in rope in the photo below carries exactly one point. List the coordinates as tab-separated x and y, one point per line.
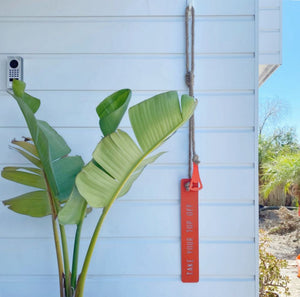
189	79
196	159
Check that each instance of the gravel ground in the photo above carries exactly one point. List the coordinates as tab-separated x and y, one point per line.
283	228
291	271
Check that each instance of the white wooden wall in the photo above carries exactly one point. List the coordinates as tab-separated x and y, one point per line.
270	38
270	32
77	52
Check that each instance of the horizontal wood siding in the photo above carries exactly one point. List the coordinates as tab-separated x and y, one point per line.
98	72
133	256
230	143
224	183
89	8
214	112
269	3
270	31
144	286
75	54
122	222
223	34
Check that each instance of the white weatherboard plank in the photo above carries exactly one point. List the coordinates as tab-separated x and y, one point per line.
213	110
161	182
269	3
213	146
219	110
120	7
270	19
139	72
270	58
124	35
270	42
148	219
270	27
130	257
139	286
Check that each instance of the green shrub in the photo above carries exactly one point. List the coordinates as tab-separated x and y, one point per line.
271	281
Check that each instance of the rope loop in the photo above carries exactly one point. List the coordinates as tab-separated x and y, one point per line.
190	4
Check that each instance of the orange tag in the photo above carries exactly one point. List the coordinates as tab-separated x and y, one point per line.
195	183
189	234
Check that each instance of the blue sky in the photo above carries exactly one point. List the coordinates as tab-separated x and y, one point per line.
284	84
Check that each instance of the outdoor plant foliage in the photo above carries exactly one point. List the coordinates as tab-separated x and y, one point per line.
283	170
279	164
271	281
67	189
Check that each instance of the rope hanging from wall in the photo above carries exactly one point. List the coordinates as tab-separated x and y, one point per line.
190	186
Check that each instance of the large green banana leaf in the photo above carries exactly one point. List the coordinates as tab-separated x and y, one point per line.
25	176
74	209
118	160
50	146
112	109
47	150
36	203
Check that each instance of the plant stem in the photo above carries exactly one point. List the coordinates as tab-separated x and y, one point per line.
59	257
68	289
76	252
56	239
82	278
66	260
75	256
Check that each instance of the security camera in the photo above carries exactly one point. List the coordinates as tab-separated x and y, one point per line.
14	69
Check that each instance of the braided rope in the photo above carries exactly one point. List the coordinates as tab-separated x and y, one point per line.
189	79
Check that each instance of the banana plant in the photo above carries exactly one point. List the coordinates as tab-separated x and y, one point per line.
53	174
67	188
